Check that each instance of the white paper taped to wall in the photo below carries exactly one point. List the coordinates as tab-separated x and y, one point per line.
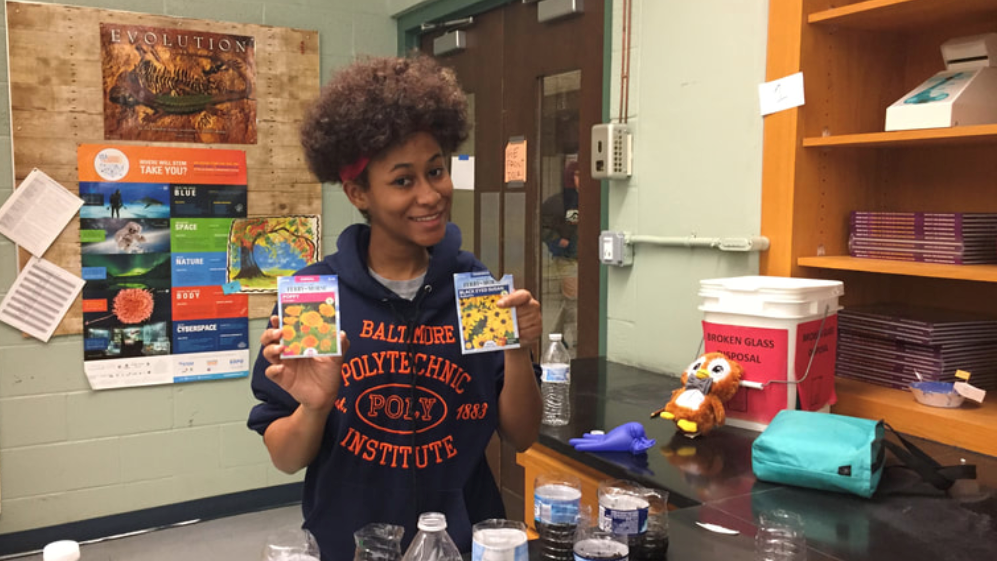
40	298
37	212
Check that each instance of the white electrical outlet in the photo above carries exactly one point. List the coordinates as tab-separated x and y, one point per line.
614	249
612	151
607	249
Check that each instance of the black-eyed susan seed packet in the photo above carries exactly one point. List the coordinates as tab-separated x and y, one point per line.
484	327
308	306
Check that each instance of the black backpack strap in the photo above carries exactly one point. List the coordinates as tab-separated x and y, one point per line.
941	477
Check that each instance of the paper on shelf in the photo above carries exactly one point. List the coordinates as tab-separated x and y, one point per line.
970	392
39	298
37	212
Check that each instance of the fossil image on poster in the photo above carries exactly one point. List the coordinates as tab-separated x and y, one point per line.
177	85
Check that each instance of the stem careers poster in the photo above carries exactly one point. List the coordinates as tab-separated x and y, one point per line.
153	238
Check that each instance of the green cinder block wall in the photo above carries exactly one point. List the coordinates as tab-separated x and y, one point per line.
68	453
697	134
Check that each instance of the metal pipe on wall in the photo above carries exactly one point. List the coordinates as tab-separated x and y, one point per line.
750	243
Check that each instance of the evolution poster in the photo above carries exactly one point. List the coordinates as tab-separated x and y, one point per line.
154	231
177	85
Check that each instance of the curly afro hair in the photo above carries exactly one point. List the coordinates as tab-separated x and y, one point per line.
377	102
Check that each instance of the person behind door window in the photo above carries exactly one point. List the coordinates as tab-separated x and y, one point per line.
559	230
398	425
116	204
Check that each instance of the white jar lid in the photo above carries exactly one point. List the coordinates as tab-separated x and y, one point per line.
64	550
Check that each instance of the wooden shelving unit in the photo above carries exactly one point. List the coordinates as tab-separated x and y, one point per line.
978	273
979	134
898	14
974	423
831	156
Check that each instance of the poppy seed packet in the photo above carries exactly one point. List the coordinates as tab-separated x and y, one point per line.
308	307
484	327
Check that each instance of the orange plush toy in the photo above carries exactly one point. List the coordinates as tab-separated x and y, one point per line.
698	406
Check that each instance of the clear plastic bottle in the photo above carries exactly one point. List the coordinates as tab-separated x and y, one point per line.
654	546
378	541
556	382
623	510
780	537
556	505
431	542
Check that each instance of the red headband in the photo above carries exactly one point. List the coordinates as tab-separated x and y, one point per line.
350	172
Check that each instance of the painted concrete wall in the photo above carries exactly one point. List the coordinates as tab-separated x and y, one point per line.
67	453
693	107
396	7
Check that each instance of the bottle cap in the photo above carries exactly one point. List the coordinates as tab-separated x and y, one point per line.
64	550
432	521
555	336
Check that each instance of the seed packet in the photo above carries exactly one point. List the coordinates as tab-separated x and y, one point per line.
308	306
484	327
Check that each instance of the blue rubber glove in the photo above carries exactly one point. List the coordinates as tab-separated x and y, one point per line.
628	437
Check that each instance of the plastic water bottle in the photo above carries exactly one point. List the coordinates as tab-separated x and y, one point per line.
556	504
780	537
623	510
431	542
378	541
556	382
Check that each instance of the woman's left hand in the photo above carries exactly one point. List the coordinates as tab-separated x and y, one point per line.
528	315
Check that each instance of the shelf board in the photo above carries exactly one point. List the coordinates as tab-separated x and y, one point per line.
975	134
901	14
979	273
971	426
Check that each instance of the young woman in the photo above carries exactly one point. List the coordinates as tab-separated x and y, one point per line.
398	425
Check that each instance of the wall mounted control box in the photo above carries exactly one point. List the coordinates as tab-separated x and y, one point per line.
614	249
612	151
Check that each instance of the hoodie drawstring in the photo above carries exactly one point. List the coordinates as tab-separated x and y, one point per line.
411	321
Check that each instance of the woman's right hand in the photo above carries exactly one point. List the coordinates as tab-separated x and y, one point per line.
313	381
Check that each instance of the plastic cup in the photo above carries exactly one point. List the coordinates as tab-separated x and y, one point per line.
598	545
557	498
654	544
291	544
623	510
378	541
780	537
499	540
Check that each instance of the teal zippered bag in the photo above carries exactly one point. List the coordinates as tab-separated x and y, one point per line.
821	451
841	453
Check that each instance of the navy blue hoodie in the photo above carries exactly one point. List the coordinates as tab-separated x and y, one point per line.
413	417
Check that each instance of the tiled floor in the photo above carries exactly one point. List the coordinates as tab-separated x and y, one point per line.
237	538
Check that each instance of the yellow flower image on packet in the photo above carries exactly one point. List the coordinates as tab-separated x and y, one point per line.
484	327
308	307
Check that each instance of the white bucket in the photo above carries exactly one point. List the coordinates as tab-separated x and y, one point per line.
770	325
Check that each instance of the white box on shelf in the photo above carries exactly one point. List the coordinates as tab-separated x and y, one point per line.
948	99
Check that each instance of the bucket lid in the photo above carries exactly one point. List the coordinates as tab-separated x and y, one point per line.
786	286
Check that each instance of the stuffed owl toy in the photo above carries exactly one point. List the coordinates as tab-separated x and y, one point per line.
698	406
